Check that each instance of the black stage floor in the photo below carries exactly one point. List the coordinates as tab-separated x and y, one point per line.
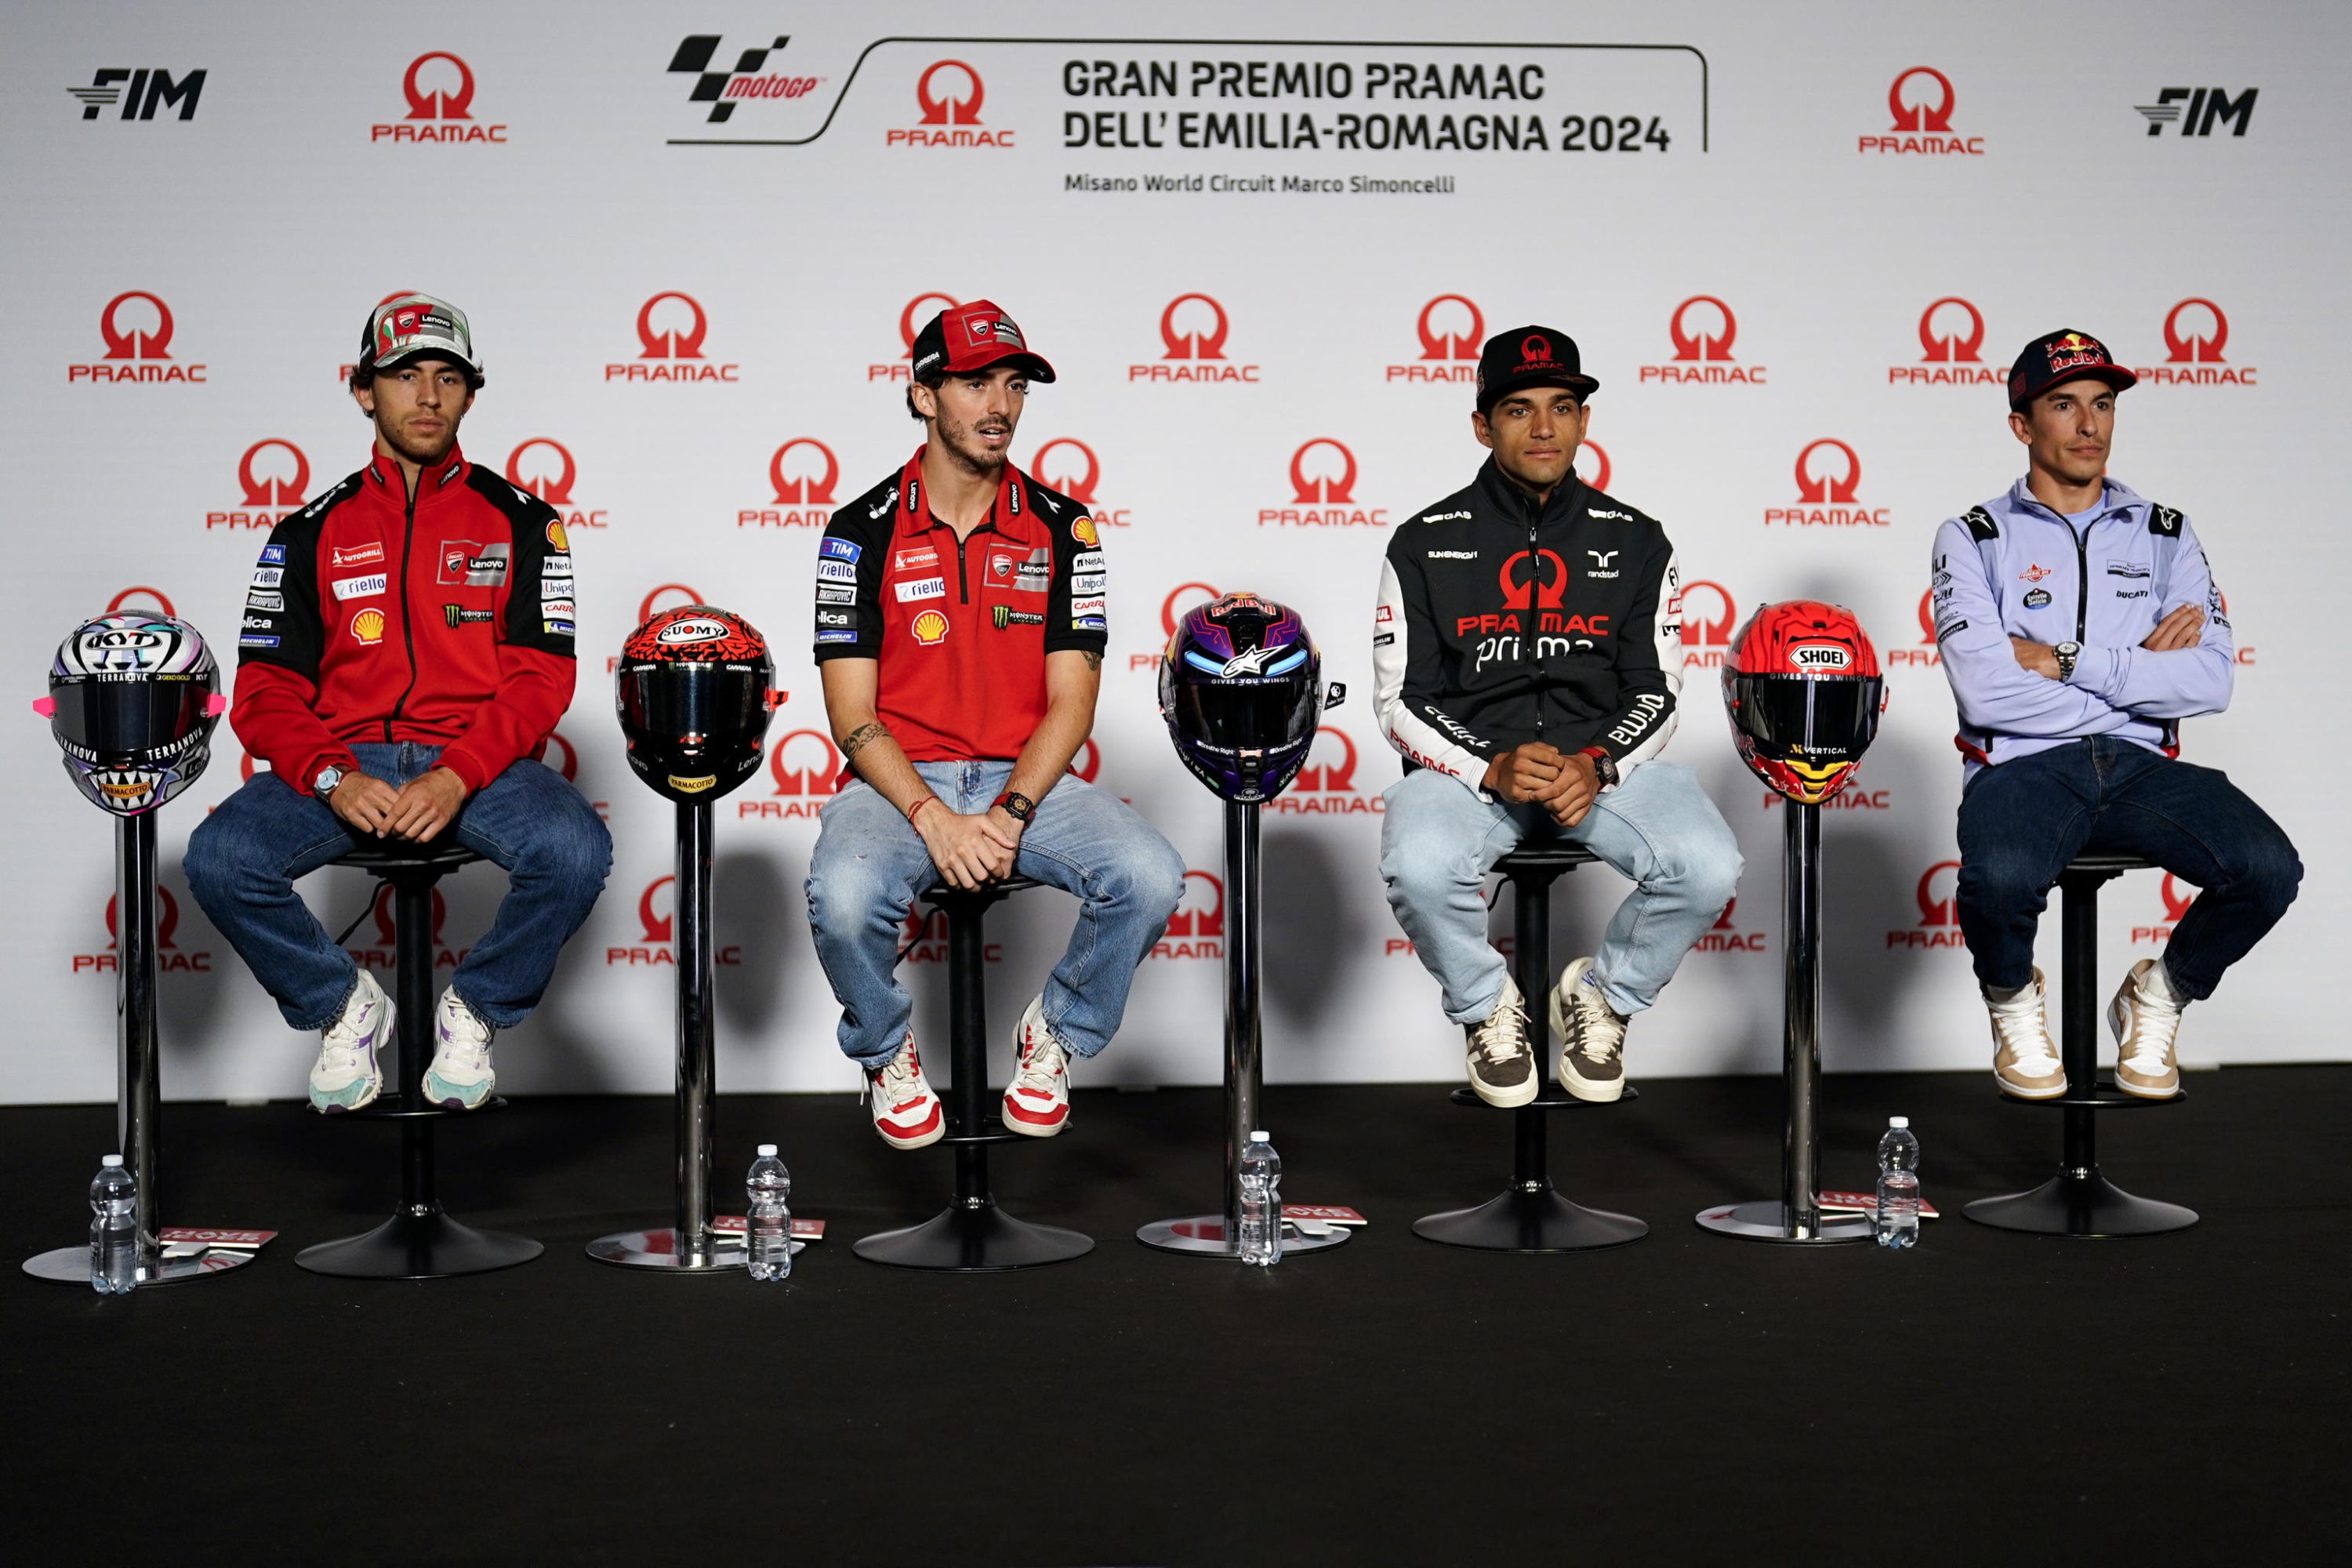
1986	1398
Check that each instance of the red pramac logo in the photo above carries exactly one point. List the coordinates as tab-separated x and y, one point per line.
1171	612
1326	785
2175	906
1725	935
1951	333
919	309
1824	488
807	768
1919	105
1197	926
673	344
140	344
425	104
1519	593
129	337
262	474
647	606
1936	116
1450	345
2180	348
439	88
949	94
385	955
1195	343
1193	330
554	489
168	956
814	488
1703	329
1323	489
1087	766
670	328
1054	467
1593	465
1710	634
1942	345
1938	926
125	597
1925	656
657	928
1816	490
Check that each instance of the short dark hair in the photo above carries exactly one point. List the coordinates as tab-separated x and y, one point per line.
363	375
934	382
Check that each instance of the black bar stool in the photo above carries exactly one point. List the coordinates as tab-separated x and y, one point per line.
1529	1217
419	1241
972	1235
2078	1201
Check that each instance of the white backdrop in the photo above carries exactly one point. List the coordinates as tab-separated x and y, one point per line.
1257	383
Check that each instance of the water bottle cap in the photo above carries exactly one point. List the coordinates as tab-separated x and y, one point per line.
1898	1122
110	1160
1259	1137
767	1150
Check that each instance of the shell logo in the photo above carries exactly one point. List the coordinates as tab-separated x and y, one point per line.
1083	530
368	628
931	627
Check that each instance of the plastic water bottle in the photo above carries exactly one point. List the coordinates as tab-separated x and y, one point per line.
767	1223
113	1230
1260	1241
1898	1220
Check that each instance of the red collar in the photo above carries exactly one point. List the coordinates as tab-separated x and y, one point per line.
914	517
385	472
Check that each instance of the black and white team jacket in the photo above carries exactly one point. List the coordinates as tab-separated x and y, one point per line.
1501	623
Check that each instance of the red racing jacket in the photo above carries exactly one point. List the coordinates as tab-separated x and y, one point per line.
445	620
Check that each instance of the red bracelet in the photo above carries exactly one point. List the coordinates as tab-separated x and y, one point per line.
918	805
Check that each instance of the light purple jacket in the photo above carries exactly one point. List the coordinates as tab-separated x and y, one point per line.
2012	567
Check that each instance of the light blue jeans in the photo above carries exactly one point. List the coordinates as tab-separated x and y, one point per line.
869	863
1438	841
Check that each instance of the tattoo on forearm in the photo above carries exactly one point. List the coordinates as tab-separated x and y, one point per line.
857	739
1094	659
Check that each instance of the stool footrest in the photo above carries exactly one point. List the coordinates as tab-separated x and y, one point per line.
2102	1096
390	1110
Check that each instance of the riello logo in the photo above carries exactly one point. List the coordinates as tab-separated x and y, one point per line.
136	327
1702	329
1451	330
1182	600
1709	615
949	95
439	88
2195	333
1725	935
2176	900
802	476
919	309
1938	925
1925	655
1323	491
273	476
1920	102
542	466
1193	332
384	954
1326	786
1197	929
670	329
1070	465
805	766
1951	348
1829	475
657	932
169	959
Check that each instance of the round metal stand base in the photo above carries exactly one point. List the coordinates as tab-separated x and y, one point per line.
979	1240
1525	1220
1203	1235
659	1249
1768	1221
2084	1204
429	1246
70	1266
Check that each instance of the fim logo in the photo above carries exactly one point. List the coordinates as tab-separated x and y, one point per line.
1703	328
1451	329
151	87
1951	342
1193	330
920	309
801	474
2176	905
1326	787
807	767
1323	491
750	80
1724	936
384	954
1197	929
542	466
169	959
136	327
439	88
1920	102
2205	106
1937	926
1821	497
273	474
1704	636
2195	332
670	329
1070	465
656	947
949	93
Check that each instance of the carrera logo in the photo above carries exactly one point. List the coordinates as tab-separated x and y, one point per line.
136	327
655	922
1703	329
724	90
2195	332
807	768
692	629
1323	487
1725	935
1925	656
1450	327
439	88
1193	332
273	473
670	329
1920	102
2175	906
949	93
1197	929
1708	634
1824	488
1951	334
1938	925
919	309
1326	785
801	474
1070	465
169	959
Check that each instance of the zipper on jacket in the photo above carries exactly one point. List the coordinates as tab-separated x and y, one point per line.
2082	576
963	589
1535	596
407	619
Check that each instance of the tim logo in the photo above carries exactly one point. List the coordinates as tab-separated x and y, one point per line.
385	954
1704	636
1938	927
137	329
169	959
1919	102
1326	785
801	474
670	329
273	473
949	95
807	767
1926	655
1725	935
919	309
2195	332
439	88
1703	329
1593	465
1829	473
1451	330
2176	905
1951	338
1323	491
1070	465
1197	929
657	932
1193	330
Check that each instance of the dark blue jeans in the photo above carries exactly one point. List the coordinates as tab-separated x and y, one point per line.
2022	821
243	858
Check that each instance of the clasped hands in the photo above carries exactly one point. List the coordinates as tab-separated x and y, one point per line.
2178	630
970	851
1537	774
416	810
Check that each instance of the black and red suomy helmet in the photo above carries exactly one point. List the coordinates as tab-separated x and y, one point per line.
694	693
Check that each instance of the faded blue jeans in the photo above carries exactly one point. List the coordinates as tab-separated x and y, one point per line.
869	863
1439	839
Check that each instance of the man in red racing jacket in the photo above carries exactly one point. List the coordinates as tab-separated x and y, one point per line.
405	650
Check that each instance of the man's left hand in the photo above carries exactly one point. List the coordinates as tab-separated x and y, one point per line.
2038	657
427	804
1571	795
1004	827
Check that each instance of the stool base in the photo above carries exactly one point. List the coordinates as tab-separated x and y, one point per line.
1768	1221
659	1249
1203	1235
977	1239
410	1246
70	1266
2082	1203
1531	1220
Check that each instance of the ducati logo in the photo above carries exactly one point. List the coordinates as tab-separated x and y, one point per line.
1703	329
1323	491
1193	332
1829	475
439	88
1938	926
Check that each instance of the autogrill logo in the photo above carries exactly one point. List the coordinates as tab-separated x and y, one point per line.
2195	333
949	93
439	88
919	309
1938	926
1703	329
801	474
670	329
273	473
1451	330
1951	342
1920	102
1323	491
1193	332
1824	488
136	327
750	80
2206	107
141	92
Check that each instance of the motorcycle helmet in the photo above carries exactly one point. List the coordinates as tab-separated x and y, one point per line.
694	698
1239	688
132	701
1804	692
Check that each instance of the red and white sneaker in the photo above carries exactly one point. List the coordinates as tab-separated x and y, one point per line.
906	1112
1037	1100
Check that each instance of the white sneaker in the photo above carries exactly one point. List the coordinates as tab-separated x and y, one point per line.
1495	1051
1037	1100
460	1078
2145	1026
1592	1037
348	1073
2024	1063
906	1112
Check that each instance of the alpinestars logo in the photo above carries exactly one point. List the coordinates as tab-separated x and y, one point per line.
137	329
807	767
141	92
2195	332
919	309
1326	785
1702	329
439	88
801	474
273	475
1197	929
1323	491
949	93
1920	103
2205	106
1451	330
670	329
1193	330
750	80
1070	465
1938	926
1952	344
1829	473
542	466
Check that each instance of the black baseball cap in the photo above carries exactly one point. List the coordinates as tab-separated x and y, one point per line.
973	337
1530	356
2059	357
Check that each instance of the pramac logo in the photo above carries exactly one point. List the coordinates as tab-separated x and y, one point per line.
1828	474
137	343
919	309
1919	104
1194	344
1593	465
1703	329
1326	785
1070	465
439	88
124	597
169	959
657	928
1812	488
1951	336
2195	332
2176	906
801	474
1192	595
1706	633
670	328
1926	655
423	104
1451	329
554	489
807	768
136	327
273	473
949	93
385	955
672	344
1192	332
1942	344
1725	935
1938	925
1934	116
1197	928
1323	489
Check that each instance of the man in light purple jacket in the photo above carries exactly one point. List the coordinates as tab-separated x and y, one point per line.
2079	625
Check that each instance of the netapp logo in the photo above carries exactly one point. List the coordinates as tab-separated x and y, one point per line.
750	79
149	90
2206	105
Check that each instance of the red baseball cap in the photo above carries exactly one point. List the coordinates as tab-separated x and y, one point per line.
972	337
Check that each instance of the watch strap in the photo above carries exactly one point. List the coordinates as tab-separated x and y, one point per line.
1017	807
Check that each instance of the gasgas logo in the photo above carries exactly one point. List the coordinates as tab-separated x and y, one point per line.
2177	899
1938	926
1181	602
385	954
1951	347
1829	475
1725	935
1450	329
1919	104
169	959
1070	465
1326	786
657	946
542	466
802	476
136	327
2195	333
1925	655
1193	332
948	94
806	767
1323	491
670	329
1703	329
1709	615
919	309
273	475
439	88
1197	929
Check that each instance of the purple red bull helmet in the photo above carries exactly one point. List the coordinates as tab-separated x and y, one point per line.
132	701
1240	686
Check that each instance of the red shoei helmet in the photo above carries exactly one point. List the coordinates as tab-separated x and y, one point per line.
1803	692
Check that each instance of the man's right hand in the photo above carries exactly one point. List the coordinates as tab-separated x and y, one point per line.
966	849
2181	629
1524	773
364	802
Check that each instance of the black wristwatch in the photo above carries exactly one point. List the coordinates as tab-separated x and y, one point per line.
1016	805
2067	652
1604	766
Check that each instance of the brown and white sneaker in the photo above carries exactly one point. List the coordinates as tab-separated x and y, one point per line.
2146	1023
1592	1037
2024	1063
1502	1070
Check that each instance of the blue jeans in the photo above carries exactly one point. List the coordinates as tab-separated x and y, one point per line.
869	863
1658	827
2022	822
243	858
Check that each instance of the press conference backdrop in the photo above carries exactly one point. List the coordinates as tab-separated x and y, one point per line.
1796	243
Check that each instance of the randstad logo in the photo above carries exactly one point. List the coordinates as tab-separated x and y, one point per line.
1323	489
1326	785
949	93
1450	329
1707	614
1926	655
1829	473
1920	103
1938	926
659	931
273	474
2176	900
169	959
1070	465
1725	935
801	474
1703	328
137	329
2195	332
807	767
670	329
439	88
1193	332
919	309
542	466
1197	929
1951	338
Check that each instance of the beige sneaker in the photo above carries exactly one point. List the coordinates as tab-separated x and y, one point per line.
2023	1061
1495	1051
2145	1026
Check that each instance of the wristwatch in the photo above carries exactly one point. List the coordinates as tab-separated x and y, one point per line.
1604	766
328	777
2067	653
1016	805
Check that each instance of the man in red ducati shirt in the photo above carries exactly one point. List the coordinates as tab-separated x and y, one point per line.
959	630
405	650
